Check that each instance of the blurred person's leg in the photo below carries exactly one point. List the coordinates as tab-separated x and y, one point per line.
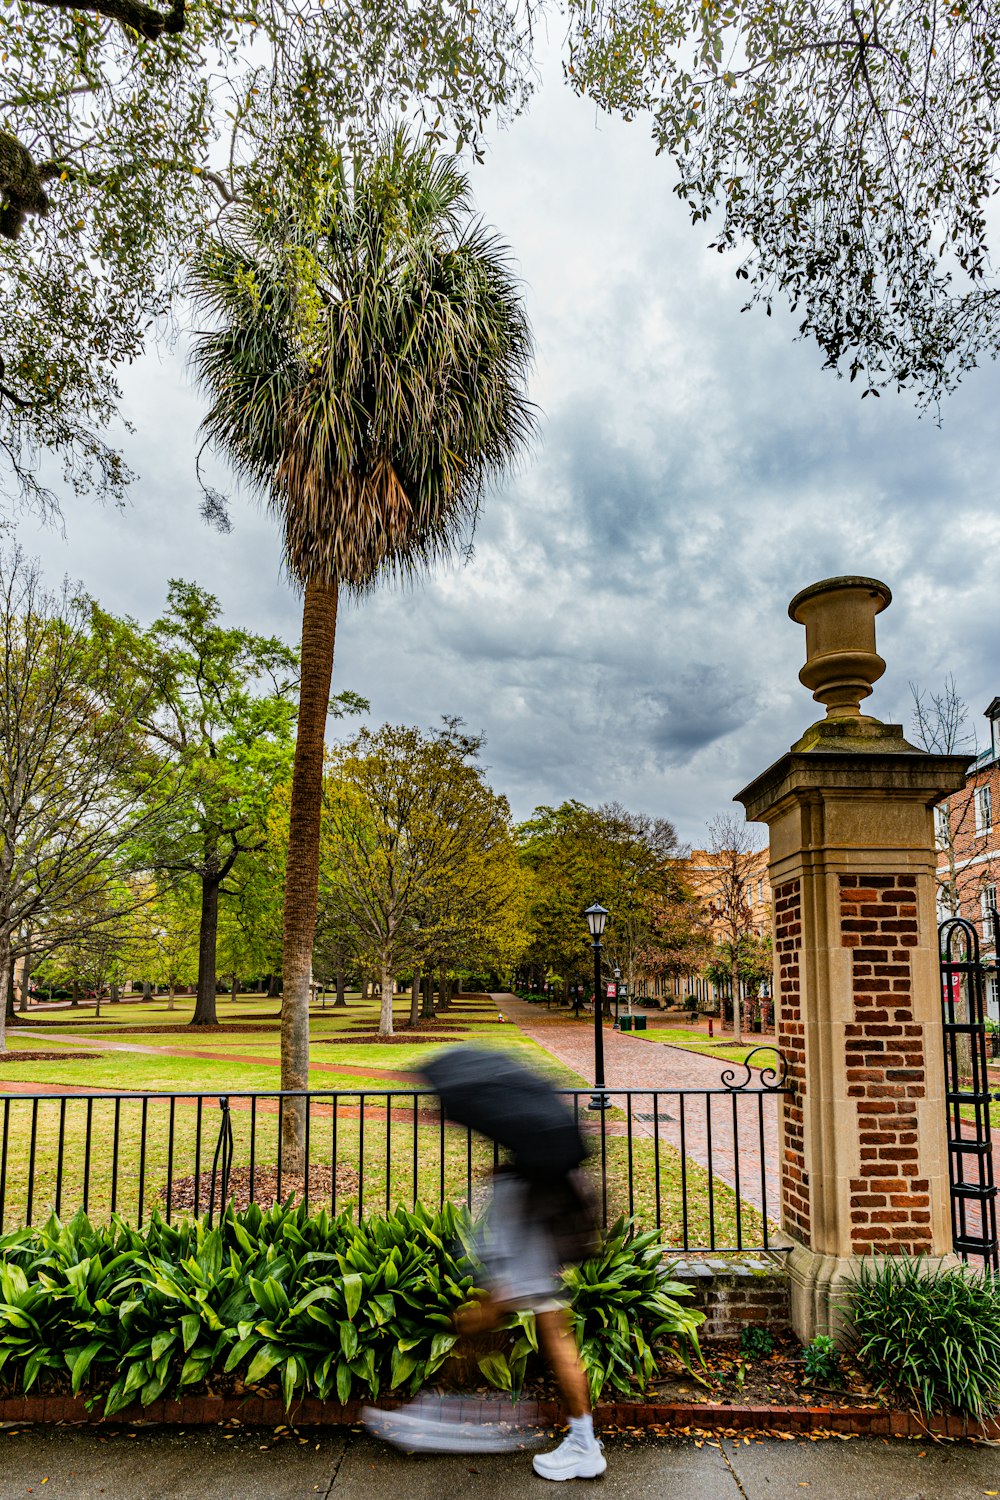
580	1455
555	1334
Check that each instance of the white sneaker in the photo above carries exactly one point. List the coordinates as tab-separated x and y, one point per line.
571	1460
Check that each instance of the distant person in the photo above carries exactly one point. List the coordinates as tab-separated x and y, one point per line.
540	1218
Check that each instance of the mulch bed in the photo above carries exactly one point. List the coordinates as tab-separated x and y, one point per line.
265	1187
11	1057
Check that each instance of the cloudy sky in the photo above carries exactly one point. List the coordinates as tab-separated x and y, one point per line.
621	632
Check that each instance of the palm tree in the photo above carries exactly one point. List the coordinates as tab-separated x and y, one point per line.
366	370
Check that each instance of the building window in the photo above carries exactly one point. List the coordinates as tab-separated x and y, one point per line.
942	825
984	809
760	890
987	902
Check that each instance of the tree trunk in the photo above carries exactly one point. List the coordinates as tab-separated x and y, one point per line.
205	1013
22	1004
6	968
444	998
341	999
458	984
171	990
385	1017
232	986
273	986
319	633
115	996
734	985
415	999
75	997
427	1010
147	990
9	992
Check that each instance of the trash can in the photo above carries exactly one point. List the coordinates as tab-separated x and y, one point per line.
624	1023
640	1023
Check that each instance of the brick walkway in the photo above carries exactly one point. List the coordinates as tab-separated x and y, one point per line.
734	1133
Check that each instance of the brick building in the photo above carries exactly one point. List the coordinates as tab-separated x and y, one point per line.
967	826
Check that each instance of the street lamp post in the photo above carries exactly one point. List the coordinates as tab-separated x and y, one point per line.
618	980
597	917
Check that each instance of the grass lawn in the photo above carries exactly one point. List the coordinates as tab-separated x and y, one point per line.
247	1059
697	1041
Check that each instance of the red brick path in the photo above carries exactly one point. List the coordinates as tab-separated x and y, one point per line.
686	1120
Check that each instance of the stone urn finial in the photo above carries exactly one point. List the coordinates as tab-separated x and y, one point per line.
841	660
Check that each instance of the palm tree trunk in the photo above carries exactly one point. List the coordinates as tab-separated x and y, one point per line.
319	632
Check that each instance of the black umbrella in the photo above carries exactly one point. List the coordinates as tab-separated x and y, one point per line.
502	1099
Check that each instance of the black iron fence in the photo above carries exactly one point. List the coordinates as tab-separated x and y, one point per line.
700	1165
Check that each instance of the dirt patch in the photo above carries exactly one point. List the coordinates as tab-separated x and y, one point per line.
398	1037
182	1028
265	1187
12	1057
778	1379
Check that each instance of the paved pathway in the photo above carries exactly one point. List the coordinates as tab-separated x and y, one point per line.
734	1133
73	1463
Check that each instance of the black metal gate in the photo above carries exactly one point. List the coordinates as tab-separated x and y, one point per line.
968	1096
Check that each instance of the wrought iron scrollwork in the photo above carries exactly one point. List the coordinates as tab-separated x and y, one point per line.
771	1078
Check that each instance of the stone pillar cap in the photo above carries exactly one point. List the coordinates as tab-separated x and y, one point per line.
841	660
847	581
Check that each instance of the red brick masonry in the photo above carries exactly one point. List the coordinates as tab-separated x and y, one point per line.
262	1411
890	1202
795	1214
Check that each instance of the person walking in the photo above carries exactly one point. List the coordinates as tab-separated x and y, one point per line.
540	1218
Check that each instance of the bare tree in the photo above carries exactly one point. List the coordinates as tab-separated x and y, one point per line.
72	768
734	848
941	726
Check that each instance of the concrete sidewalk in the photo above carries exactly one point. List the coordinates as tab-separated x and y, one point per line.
73	1463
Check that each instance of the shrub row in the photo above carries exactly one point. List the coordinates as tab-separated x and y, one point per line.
318	1305
931	1336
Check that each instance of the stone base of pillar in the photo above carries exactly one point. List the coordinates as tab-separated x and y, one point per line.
819	1287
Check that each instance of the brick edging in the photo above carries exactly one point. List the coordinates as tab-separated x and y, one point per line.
270	1411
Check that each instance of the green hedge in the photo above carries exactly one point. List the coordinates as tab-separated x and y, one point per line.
318	1305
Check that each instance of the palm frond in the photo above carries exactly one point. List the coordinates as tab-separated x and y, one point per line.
366	361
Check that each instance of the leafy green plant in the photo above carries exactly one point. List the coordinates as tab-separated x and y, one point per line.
756	1342
932	1335
309	1303
822	1361
623	1303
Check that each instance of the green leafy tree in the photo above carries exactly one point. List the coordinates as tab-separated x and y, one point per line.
628	861
127	129
414	838
81	798
220	715
366	375
849	151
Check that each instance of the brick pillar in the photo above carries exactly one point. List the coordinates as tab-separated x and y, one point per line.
852	866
